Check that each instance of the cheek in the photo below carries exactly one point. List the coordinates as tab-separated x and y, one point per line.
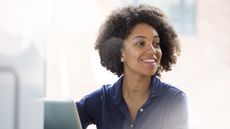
129	54
159	54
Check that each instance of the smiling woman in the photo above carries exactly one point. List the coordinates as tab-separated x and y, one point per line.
136	43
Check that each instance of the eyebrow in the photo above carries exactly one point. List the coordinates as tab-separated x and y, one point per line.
155	36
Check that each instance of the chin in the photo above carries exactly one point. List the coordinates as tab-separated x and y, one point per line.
149	74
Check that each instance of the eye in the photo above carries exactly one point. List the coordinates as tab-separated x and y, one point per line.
140	43
156	45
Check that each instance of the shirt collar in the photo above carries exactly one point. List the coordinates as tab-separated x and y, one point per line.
156	86
116	90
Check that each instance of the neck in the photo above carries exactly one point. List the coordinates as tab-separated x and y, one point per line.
135	90
136	87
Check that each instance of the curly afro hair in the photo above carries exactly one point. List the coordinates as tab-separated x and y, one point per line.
118	26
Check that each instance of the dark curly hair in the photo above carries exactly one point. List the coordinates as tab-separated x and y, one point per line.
118	26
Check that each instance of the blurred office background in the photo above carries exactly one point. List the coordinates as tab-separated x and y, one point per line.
47	50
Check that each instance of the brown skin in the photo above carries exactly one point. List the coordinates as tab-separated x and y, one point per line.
141	56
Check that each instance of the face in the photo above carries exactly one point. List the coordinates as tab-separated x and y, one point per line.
141	53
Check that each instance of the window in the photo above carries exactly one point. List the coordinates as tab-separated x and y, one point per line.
181	13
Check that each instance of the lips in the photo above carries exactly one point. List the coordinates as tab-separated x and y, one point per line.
149	60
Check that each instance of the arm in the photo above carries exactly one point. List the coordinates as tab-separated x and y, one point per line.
177	112
89	109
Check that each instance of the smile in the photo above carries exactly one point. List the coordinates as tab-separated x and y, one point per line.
149	60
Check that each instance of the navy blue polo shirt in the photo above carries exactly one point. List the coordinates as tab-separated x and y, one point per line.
166	108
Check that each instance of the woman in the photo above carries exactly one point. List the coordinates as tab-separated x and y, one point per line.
136	43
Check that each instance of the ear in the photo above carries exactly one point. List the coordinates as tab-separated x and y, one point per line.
122	55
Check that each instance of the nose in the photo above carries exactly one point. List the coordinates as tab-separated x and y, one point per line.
150	49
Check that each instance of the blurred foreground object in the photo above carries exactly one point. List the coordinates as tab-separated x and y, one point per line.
21	84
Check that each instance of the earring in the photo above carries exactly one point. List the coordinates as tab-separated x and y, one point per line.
122	59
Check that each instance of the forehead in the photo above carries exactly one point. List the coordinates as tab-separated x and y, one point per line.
143	29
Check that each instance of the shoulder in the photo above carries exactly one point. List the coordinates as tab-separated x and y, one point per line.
173	94
96	96
165	89
171	90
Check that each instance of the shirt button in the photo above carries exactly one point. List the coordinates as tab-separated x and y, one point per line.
131	125
141	110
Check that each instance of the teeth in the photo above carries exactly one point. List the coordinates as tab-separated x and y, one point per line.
149	60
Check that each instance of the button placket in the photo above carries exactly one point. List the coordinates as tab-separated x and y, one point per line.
131	126
141	110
